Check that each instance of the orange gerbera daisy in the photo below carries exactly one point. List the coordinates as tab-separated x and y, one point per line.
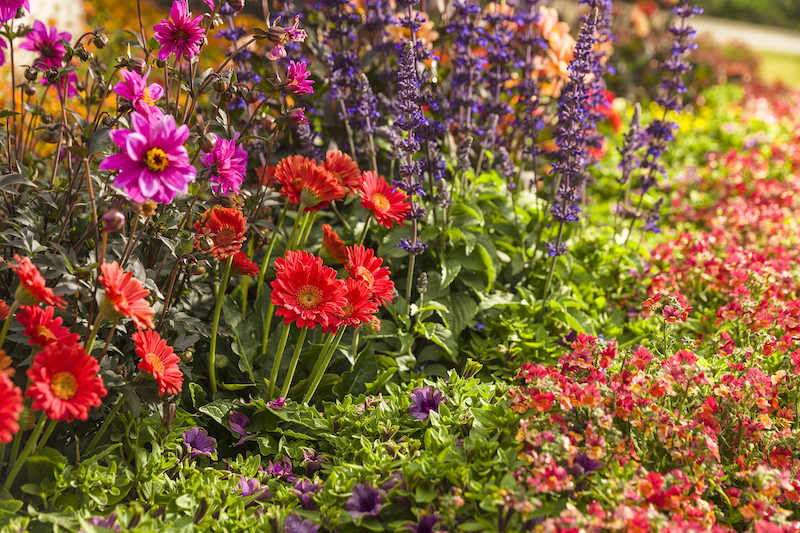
4	310
159	359
42	328
5	365
359	307
365	267
243	266
64	382
225	226
305	291
32	287
344	169
303	181
10	408
124	296
388	203
333	250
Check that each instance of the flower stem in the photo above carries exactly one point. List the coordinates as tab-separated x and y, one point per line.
276	364
212	351
325	359
365	230
293	365
290	241
246	281
87	346
104	427
265	263
267	326
307	225
7	323
32	440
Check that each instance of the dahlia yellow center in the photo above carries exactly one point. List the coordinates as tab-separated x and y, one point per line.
380	202
156	160
147	97
43	331
309	296
64	385
155	363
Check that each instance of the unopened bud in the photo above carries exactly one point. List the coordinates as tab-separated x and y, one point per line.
187	356
31	74
251	97
49	136
208	142
137	65
268	123
236	5
197	270
167	414
80	85
471	368
100	40
51	75
220	86
82	53
30	89
206	244
227	96
276	35
201	512
113	220
160	63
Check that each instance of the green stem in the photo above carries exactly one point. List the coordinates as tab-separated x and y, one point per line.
212	351
300	213
293	365
322	353
365	230
354	349
265	263
87	347
7	323
267	326
246	280
104	427
32	440
323	366
276	364
307	225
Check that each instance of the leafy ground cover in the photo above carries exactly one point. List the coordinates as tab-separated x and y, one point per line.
394	270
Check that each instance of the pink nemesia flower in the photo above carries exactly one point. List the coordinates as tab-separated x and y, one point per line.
154	163
46	44
297	81
8	9
181	35
143	97
228	164
288	34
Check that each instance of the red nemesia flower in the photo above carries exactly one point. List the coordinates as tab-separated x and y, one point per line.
124	296
364	266
64	382
388	203
243	266
10	408
344	169
306	292
359	307
305	182
43	329
160	360
32	287
225	226
333	250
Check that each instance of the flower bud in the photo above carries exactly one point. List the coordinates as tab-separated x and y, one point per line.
51	75
298	115
236	5
208	142
20	13
137	65
100	40
82	53
227	96
187	356
251	97
276	35
197	270
30	89
31	74
160	63
372	327
471	368
113	220
268	123
206	244
80	85
167	414
49	136
220	86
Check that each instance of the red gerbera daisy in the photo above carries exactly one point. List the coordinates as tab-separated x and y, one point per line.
344	169
243	266
364	266
32	287
295	260
306	292
4	310
388	203
10	408
5	365
303	181
225	227
359	307
124	296
159	359
42	328
64	382
333	250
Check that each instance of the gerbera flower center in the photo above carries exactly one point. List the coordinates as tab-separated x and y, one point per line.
308	197
380	202
147	97
366	276
155	362
64	385
224	237
44	331
348	310
309	296
156	159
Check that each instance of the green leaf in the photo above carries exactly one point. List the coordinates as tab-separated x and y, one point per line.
450	269
461	309
8	181
218	409
488	264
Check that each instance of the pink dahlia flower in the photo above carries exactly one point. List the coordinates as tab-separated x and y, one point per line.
297	81
143	97
154	163
2	54
281	36
228	163
181	35
8	9
46	44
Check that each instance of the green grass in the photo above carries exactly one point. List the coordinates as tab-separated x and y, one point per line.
781	67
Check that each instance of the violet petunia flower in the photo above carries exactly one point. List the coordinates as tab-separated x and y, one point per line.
228	163
281	36
305	490
277	404
237	421
143	97
154	163
312	461
182	35
46	43
295	524
281	469
426	400
425	525
365	500
107	522
253	487
8	9
197	442
297	81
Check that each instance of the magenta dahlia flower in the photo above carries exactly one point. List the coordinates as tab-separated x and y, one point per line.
2	53
228	163
154	163
143	97
180	36
297	81
281	36
46	44
8	9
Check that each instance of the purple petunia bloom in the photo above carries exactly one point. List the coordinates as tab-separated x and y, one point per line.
108	522
425	525
426	400
253	487
197	442
8	9
277	404
312	460
154	163
46	43
228	163
305	490
365	500
237	421
297	81
295	524
143	97
180	36
281	469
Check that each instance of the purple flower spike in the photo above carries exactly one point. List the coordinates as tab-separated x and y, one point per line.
281	469
365	500
425	400
154	163
197	442
180	36
228	164
295	524
425	525
305	490
143	97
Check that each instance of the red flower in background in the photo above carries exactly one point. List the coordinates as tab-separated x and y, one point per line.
388	203
333	249
10	408
4	310
303	181
365	267
42	329
222	230
359	307
344	169
64	382
160	360
124	296
32	287
243	266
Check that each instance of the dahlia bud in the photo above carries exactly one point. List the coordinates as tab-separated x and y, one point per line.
197	270
49	136
82	53
208	142
236	5
220	86
298	115
227	96
51	75
276	35
100	40
251	97
268	123
31	74
137	65
30	89
160	63
113	220
206	244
